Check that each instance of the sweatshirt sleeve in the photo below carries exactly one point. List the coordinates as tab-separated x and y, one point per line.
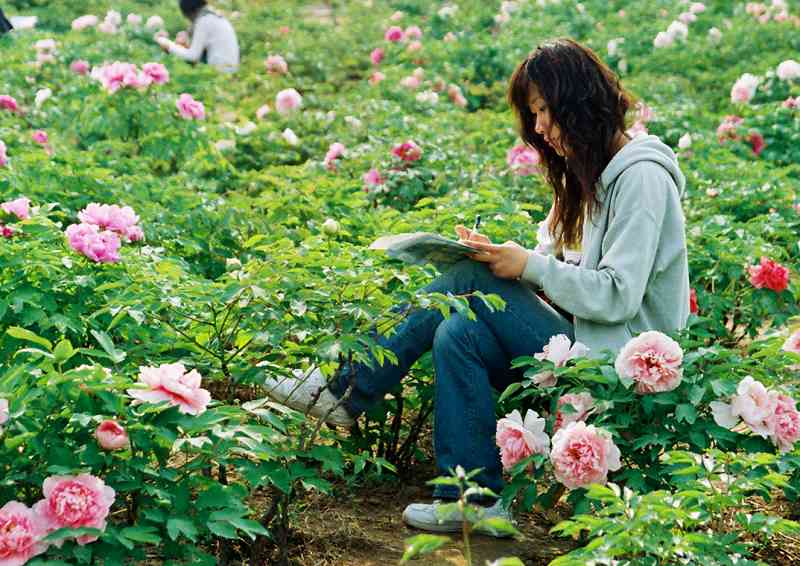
613	292
200	40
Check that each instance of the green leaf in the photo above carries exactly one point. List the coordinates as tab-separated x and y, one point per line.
70	533
142	534
222	529
177	526
497	526
24	334
696	394
686	412
422	544
107	344
63	351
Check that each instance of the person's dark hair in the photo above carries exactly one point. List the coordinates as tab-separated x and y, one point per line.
191	7
589	105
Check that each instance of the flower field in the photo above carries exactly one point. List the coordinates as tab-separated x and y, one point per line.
170	236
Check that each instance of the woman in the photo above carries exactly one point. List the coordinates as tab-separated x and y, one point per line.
213	39
616	199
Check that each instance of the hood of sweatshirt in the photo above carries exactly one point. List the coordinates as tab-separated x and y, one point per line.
643	148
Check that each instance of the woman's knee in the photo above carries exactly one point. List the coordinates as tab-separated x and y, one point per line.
453	332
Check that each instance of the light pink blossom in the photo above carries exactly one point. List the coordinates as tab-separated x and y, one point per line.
407	151
74	502
583	455
99	246
83	22
376	77
154	22
769	274
788	70
394	34
172	383
791	102
523	160
19	207
262	111
335	151
79	67
697	7
4	414
40	137
559	350
653	360
189	108
372	178
792	343
520	439
376	56
744	89
785	423
8	102
414	46
410	82
111	436
134	20
456	96
727	130
119	219
3	154
753	403
582	405
21	534
276	65
157	72
413	32
287	101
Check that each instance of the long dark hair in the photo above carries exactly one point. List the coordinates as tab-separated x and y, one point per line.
190	8
589	105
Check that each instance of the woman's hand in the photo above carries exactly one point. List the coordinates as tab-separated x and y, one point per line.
506	261
465	235
164	43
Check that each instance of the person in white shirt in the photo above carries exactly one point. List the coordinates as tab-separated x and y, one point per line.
213	39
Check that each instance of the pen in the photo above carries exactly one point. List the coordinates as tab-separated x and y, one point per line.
477	223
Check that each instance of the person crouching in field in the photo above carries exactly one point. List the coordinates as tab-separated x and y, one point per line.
213	39
617	199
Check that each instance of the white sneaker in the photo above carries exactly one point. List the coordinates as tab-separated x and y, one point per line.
426	516
299	393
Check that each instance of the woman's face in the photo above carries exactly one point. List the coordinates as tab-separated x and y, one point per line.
544	124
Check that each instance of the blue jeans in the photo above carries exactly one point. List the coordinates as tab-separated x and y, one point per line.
470	358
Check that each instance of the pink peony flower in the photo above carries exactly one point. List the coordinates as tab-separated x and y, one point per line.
693	302
791	102
753	403
653	360
785	423
276	65
744	89
335	151
582	405
523	160
788	70
727	129
4	415
558	350
456	96
407	151
154	22
79	67
287	101
189	108
792	343
413	32
518	440
770	275
9	103
21	534
102	247
134	20
171	382
119	219
119	75
394	34
40	137
83	22
18	207
663	39
414	46
372	178
583	455
111	436
74	502
107	27
3	154
262	111
6	231
756	142
284	30
376	77
410	82
376	56
697	7
157	72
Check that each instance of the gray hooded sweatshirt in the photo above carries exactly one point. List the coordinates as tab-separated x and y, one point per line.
633	275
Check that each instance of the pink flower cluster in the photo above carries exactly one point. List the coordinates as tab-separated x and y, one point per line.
8	102
407	151
727	130
19	207
777	11
768	413
770	275
559	350
287	101
276	65
582	404
97	245
3	154
335	151
172	383
101	231
523	160
45	51
372	179
118	75
189	108
653	361
4	414
111	436
788	70
744	89
792	343
520	439
69	502
583	454
120	219
80	67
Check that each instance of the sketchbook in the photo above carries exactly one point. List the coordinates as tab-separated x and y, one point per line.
423	247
